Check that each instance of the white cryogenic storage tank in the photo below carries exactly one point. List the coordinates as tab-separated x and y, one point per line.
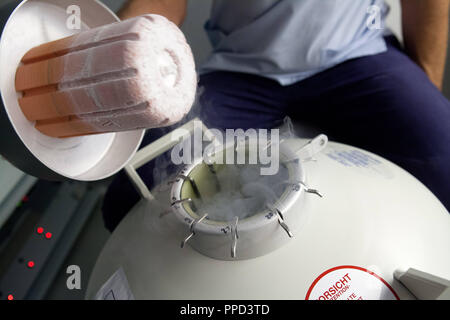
347	225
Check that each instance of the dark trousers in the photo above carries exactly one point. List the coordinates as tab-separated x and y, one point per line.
383	103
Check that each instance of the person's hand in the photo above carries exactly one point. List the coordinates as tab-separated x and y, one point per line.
174	10
435	74
425	33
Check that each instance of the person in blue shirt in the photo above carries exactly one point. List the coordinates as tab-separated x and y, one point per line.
331	64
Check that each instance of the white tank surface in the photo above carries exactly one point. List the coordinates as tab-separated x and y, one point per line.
374	219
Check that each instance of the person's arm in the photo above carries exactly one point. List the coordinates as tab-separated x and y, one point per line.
174	10
425	34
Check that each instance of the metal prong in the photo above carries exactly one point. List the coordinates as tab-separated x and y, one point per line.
283	224
280	219
183	243
191	202
235	238
309	190
191	228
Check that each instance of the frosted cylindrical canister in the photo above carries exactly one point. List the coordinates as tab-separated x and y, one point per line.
136	74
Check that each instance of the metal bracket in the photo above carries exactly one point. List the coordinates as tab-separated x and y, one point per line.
235	238
281	221
191	228
156	149
307	189
283	224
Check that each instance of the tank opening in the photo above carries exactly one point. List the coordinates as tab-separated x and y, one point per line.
226	191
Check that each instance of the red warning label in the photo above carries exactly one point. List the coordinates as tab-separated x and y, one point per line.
350	283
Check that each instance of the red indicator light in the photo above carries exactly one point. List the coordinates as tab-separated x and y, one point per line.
40	230
48	235
10	297
30	264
